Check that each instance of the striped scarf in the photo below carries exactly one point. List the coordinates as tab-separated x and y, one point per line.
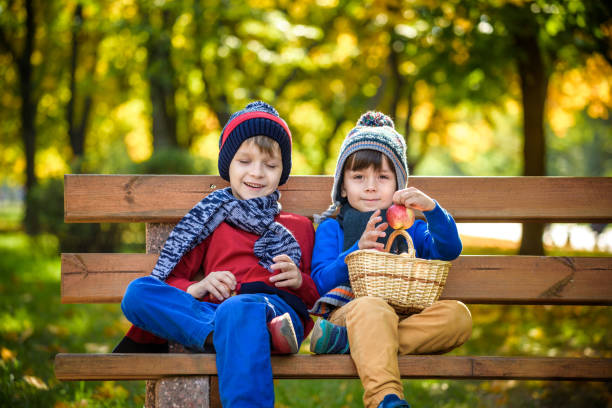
255	216
335	298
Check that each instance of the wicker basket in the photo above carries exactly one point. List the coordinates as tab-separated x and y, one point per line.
407	283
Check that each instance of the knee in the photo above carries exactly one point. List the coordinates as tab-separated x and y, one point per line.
229	305
132	302
233	305
370	302
458	316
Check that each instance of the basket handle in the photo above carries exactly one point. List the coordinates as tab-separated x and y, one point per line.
403	233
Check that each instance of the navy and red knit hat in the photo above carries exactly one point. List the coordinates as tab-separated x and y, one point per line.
257	118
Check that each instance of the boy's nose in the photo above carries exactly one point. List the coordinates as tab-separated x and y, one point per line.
257	170
370	184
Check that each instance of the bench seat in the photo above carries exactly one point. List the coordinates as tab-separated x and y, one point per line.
306	366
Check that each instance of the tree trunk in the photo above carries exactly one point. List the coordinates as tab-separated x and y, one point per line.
534	84
412	159
29	106
77	129
162	88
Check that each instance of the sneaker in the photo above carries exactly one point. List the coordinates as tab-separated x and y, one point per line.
282	335
393	401
328	338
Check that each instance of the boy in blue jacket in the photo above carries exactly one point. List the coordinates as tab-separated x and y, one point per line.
371	174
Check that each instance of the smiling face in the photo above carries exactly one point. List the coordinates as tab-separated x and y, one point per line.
371	186
255	171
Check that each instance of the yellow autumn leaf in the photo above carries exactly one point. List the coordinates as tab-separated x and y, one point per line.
7	354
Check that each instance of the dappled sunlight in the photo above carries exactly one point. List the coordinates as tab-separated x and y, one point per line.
467	140
207	146
52	163
132	117
587	87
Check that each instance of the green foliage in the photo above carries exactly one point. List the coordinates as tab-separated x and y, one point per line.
586	150
47	200
142	67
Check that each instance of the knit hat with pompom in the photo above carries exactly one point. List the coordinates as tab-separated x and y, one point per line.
374	131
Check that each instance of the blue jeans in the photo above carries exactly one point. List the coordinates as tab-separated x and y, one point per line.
240	333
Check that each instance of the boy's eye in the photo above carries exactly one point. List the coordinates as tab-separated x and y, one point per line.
271	165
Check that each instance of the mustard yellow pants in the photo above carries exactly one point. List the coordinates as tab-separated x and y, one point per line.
377	335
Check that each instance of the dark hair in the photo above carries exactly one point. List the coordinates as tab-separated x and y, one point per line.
362	159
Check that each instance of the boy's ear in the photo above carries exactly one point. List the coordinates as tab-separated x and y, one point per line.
342	192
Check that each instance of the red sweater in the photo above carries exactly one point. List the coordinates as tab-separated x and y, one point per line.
231	249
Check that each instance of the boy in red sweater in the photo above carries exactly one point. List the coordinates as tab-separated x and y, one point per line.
244	246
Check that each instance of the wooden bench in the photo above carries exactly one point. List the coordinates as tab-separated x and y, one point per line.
160	201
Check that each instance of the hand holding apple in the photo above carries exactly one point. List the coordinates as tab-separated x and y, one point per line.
414	198
400	217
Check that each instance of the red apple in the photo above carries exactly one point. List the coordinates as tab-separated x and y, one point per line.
400	217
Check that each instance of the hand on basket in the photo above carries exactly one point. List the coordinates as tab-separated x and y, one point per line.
372	232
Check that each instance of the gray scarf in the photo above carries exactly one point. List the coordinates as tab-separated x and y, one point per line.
255	216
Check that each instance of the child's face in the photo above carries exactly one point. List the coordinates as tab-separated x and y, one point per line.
369	189
253	172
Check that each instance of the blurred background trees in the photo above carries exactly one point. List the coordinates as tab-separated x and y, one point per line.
477	87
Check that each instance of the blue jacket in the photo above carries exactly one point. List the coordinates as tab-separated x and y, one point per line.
435	239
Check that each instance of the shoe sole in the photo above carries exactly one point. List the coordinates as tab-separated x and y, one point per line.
317	333
320	339
283	336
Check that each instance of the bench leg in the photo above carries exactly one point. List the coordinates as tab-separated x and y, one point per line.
188	392
150	394
215	398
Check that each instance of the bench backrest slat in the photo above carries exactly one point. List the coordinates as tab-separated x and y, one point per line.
166	198
97	278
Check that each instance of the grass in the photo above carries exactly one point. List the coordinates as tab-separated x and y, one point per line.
34	326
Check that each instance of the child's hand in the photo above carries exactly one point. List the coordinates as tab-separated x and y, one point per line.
412	197
218	284
372	232
289	276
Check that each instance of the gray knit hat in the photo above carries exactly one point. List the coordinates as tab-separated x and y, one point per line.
374	131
